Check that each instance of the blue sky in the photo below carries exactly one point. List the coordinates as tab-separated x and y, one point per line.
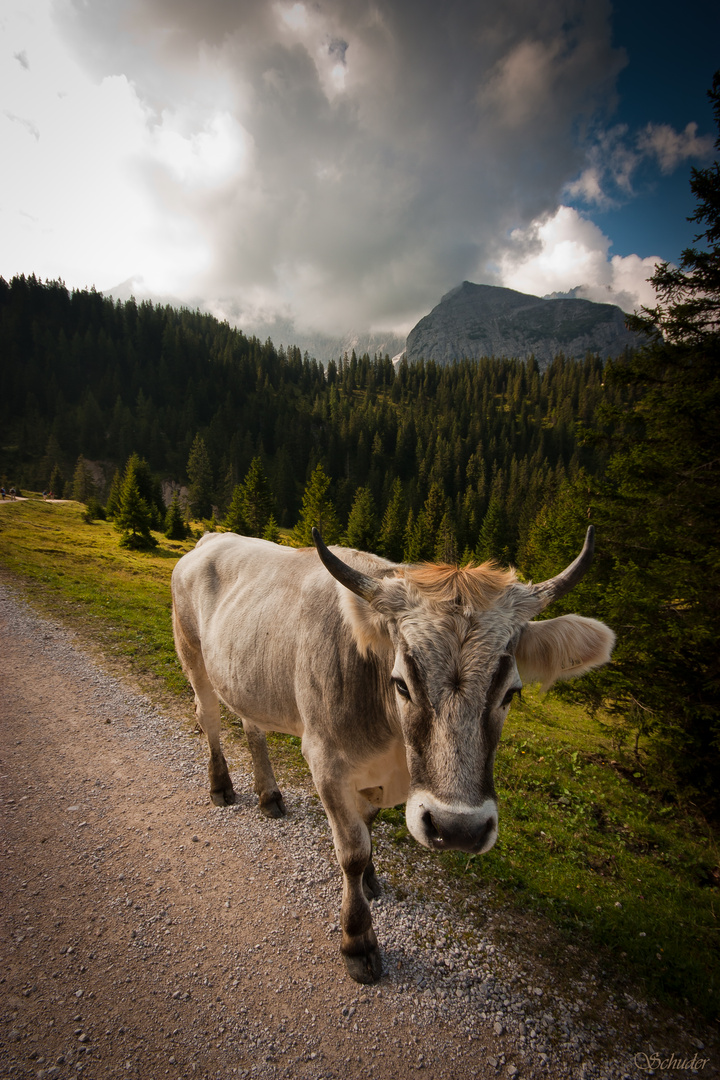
341	164
673	52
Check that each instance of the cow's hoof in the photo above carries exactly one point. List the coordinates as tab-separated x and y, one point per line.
225	797
274	807
371	886
366	968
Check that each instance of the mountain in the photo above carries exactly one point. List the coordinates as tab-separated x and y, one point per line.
484	320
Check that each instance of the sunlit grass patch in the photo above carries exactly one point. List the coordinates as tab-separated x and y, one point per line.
582	842
78	571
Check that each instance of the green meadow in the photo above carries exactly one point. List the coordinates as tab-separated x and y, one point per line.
583	843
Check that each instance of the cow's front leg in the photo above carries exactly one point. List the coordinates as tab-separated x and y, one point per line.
369	811
351	837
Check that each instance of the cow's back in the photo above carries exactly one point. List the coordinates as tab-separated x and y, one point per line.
268	622
225	570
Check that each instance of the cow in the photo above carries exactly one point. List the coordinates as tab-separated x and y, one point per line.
397	679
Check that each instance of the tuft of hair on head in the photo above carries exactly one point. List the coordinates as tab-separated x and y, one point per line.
476	588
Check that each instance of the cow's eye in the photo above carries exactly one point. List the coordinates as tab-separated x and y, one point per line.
505	703
401	687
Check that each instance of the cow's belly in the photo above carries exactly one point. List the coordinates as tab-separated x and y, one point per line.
266	715
384	780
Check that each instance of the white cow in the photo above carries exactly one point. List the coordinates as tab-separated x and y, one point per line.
397	679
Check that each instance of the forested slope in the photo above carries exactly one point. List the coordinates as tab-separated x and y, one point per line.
84	375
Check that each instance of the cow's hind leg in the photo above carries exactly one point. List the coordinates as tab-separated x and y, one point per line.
207	713
270	800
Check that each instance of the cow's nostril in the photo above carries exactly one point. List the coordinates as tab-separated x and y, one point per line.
484	835
431	830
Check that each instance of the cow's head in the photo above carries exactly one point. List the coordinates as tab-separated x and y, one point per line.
463	643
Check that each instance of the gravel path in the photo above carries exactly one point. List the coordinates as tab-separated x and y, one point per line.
147	934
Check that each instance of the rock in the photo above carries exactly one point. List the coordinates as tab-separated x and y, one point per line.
484	320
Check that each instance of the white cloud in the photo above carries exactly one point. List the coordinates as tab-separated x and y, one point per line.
208	158
566	253
671	147
614	158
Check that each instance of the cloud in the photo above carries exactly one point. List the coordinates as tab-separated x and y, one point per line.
566	253
671	147
614	158
347	162
342	164
27	124
611	161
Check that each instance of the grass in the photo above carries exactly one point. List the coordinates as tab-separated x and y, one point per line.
79	571
582	842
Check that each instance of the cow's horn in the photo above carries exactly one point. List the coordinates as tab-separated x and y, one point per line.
358	583
554	588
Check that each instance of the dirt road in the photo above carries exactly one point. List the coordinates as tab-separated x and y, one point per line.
147	934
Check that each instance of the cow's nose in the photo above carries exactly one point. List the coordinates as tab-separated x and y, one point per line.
459	832
444	826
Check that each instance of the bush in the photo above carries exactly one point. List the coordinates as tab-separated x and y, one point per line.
94	511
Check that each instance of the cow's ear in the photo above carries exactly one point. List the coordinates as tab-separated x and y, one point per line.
562	648
368	625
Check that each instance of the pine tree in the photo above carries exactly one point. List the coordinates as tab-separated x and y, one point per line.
148	486
57	482
492	542
392	530
257	499
175	527
133	518
362	522
318	511
434	510
235	517
421	537
83	483
410	538
200	474
271	531
446	547
115	495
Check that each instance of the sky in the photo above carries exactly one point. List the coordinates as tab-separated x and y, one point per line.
344	163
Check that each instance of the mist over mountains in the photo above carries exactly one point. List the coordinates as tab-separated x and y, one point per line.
320	346
471	321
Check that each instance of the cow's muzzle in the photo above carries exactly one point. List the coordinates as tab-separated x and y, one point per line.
451	826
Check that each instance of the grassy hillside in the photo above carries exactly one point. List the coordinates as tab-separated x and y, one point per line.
581	841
